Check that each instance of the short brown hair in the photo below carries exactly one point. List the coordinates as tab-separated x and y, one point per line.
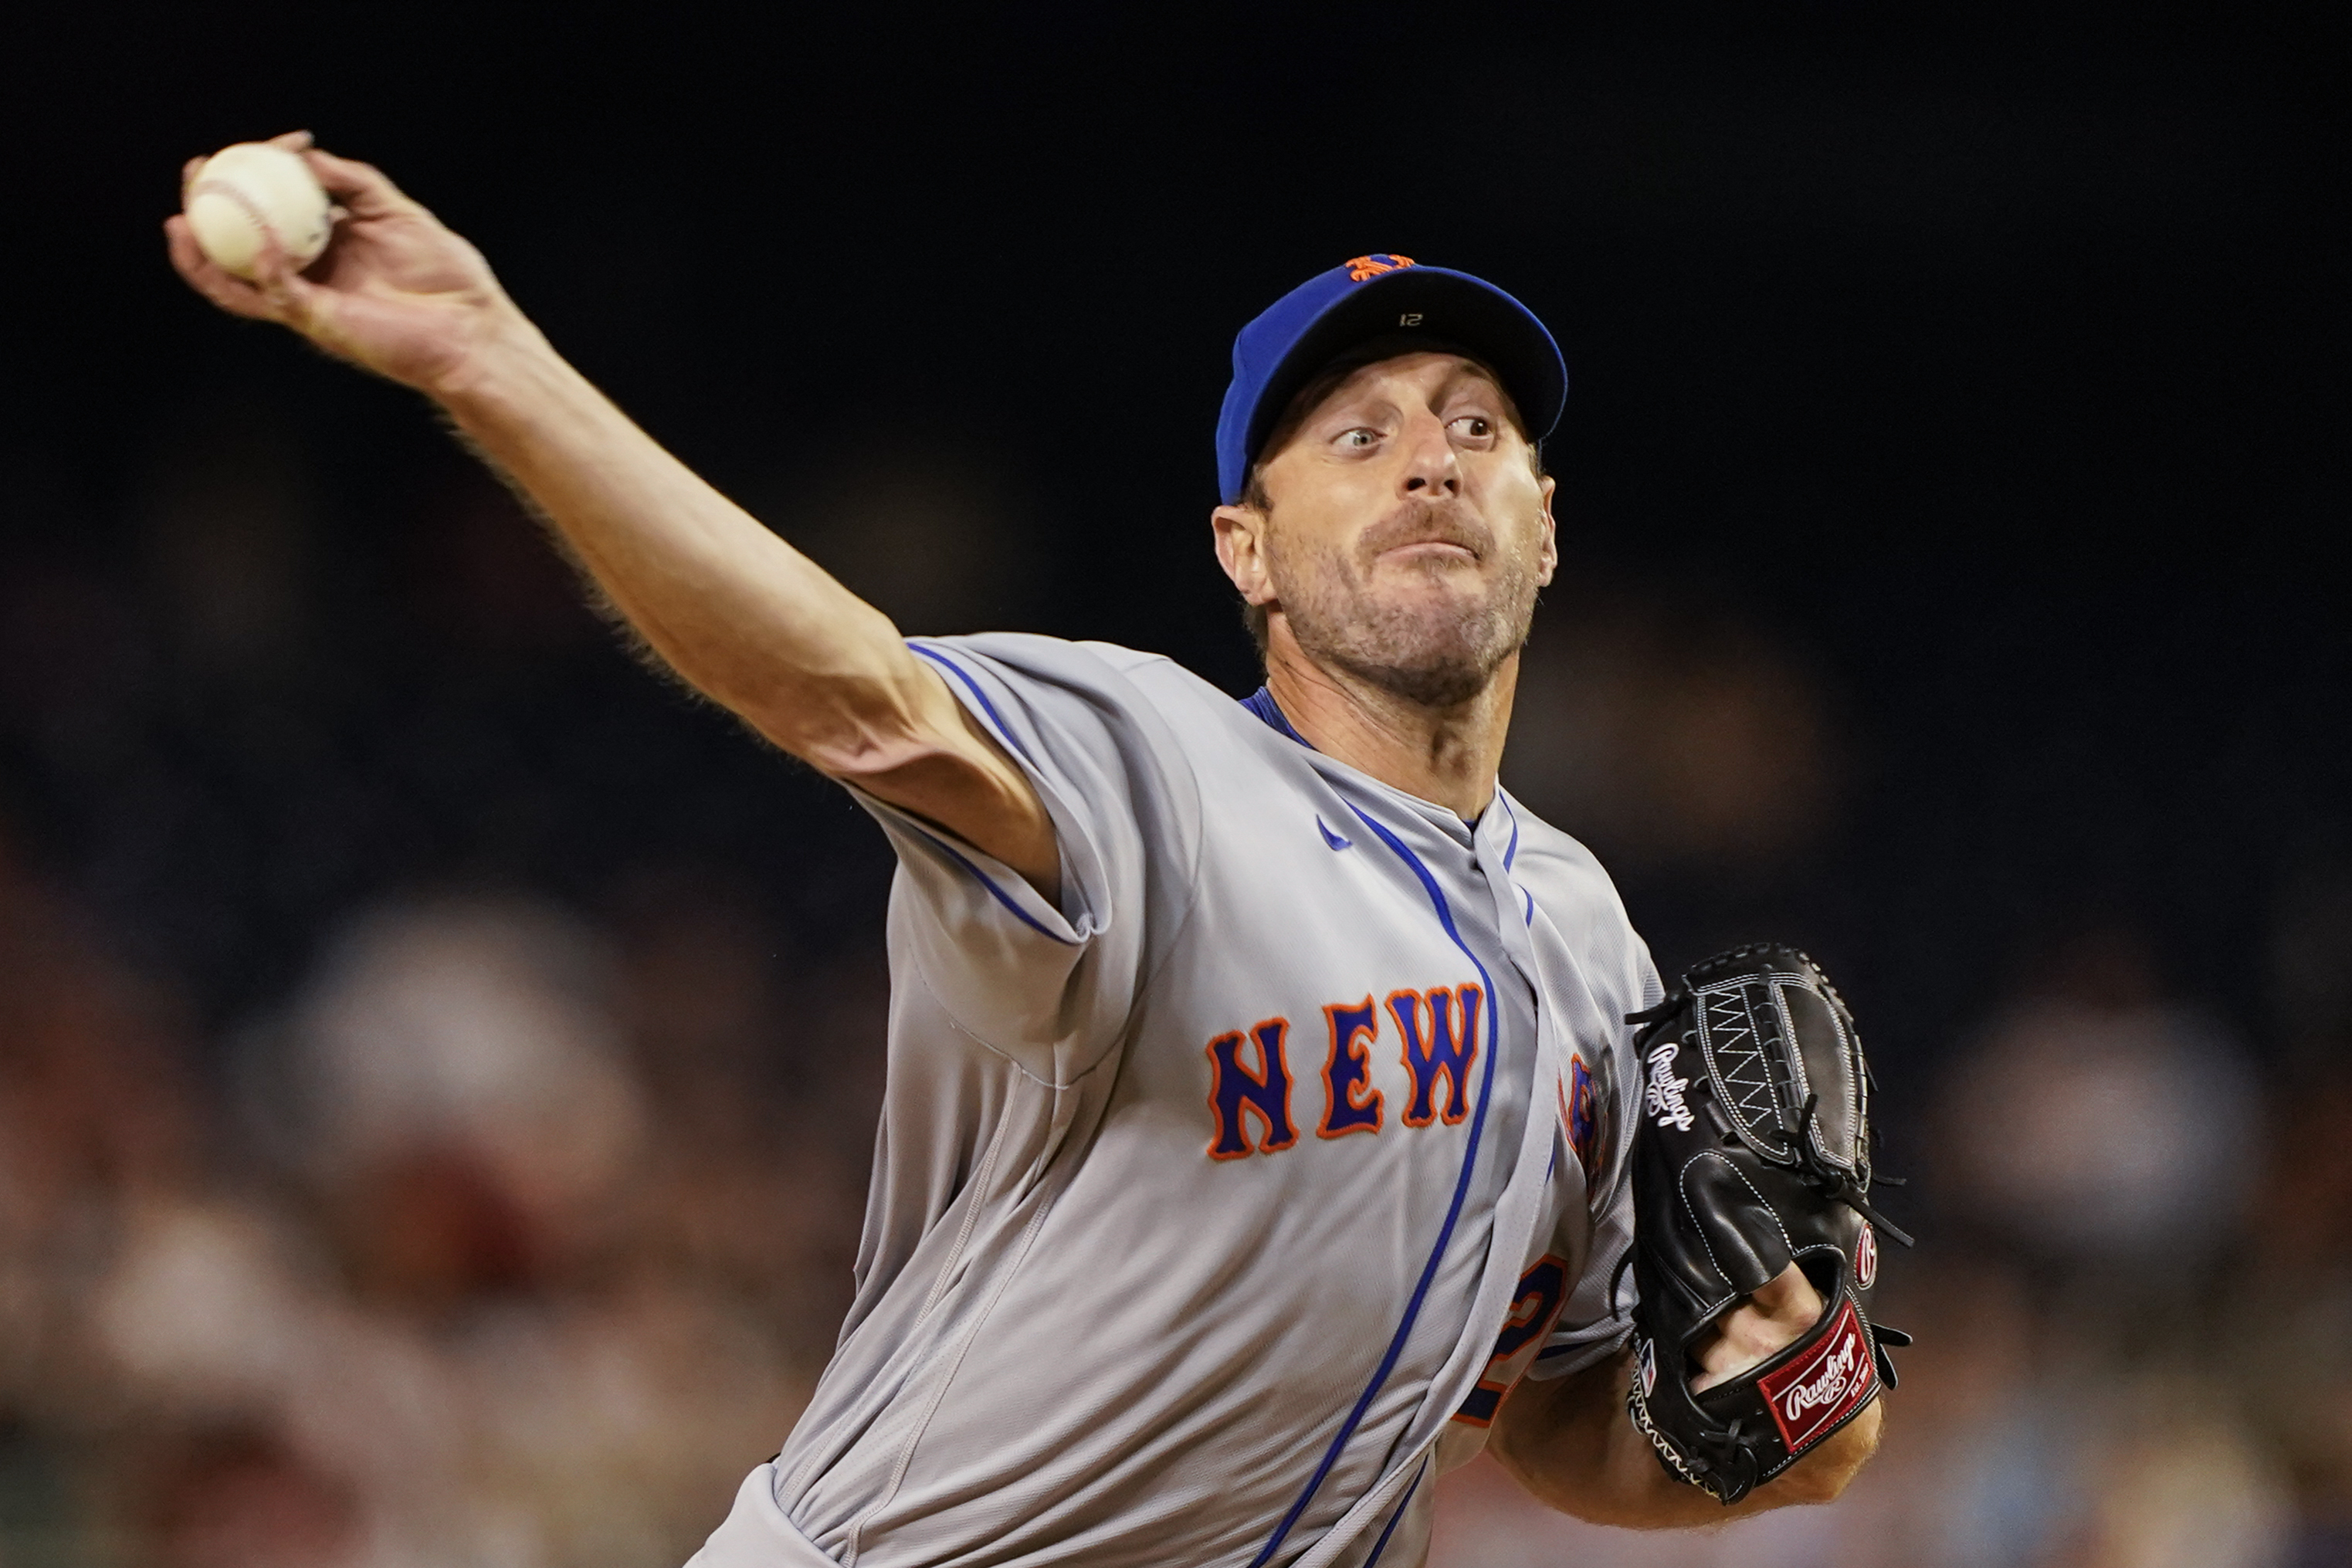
1311	396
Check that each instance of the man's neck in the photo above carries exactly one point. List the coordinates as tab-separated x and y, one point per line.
1445	754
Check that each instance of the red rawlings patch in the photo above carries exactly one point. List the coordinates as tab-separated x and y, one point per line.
1812	1395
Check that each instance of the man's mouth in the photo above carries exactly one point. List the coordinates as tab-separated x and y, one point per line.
1430	549
1420	532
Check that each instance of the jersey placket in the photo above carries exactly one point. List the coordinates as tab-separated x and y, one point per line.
1516	921
1425	850
1516	1209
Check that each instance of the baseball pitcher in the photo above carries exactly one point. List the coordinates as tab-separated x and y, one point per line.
1277	1113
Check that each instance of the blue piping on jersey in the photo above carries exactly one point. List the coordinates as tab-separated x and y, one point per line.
1390	1529
1261	702
1511	853
958	670
1452	1213
995	891
1332	839
1005	731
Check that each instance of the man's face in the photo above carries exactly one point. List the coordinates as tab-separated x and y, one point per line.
1407	533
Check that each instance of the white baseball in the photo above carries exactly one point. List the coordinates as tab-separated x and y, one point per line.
243	191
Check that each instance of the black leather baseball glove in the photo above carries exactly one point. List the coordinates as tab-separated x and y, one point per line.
1753	1150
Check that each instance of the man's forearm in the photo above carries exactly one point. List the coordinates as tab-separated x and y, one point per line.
743	616
1570	1443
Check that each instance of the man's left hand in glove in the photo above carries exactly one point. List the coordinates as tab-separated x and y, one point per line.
1569	1442
1731	1022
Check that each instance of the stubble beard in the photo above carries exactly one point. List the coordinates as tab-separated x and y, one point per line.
1423	646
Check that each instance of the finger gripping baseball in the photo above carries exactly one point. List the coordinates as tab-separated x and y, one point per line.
1753	1152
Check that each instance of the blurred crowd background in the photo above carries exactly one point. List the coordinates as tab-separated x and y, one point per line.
438	1058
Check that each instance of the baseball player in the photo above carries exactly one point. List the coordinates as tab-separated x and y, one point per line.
1260	1093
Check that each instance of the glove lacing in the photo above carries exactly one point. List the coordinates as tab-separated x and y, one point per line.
1837	1186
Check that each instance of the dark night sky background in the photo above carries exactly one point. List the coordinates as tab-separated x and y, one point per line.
1992	365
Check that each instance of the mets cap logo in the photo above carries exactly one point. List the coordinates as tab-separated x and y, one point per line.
1363	266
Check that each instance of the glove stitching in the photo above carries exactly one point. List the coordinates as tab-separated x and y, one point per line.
1683	1192
1639	1409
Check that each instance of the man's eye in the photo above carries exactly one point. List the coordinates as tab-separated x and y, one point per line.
1477	427
1358	437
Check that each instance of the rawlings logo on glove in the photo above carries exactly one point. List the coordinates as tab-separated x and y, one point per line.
1664	1097
1811	1398
1755	1153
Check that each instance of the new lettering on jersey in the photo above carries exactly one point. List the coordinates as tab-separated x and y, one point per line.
1440	1029
1441	1042
1350	1103
1235	1093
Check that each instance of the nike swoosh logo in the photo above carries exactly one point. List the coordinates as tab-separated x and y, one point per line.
1332	839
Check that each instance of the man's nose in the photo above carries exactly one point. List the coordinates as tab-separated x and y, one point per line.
1431	469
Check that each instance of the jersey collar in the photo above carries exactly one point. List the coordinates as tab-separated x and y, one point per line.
1261	702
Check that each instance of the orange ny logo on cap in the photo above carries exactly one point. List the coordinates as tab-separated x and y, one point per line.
1373	265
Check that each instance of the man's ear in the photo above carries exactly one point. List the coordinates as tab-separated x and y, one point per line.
1241	550
1547	559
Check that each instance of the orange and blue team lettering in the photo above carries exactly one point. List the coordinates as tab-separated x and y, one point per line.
1235	1091
1249	1100
1580	1112
1534	1307
1350	1103
1440	1041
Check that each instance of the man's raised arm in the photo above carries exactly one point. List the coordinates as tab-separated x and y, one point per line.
740	614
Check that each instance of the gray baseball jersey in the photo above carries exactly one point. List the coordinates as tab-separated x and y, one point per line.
1218	1201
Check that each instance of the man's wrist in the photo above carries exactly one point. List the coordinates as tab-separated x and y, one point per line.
510	368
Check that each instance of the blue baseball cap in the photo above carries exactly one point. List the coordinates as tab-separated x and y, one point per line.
1373	296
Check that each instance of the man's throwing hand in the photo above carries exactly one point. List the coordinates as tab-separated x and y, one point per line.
396	293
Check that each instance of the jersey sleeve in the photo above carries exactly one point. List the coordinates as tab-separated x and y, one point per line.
1049	982
1599	1312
